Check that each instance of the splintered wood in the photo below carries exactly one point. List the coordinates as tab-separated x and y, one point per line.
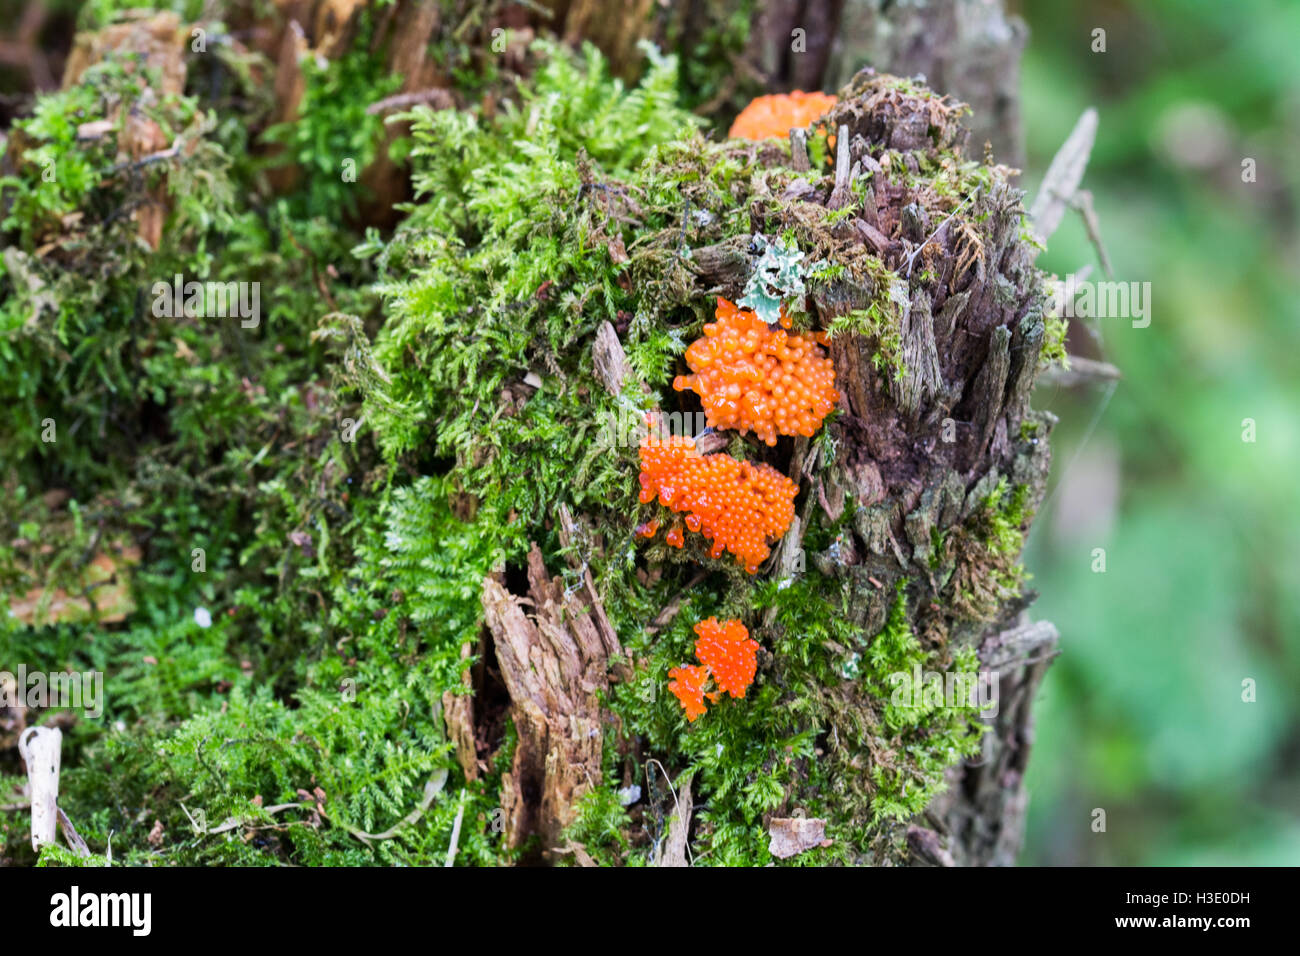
554	660
40	749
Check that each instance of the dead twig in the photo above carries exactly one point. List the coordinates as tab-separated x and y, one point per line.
431	790
170	153
1082	371
439	97
1064	175
841	195
455	831
1082	202
799	150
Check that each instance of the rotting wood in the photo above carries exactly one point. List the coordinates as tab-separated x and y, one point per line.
458	715
554	662
799	151
610	360
674	850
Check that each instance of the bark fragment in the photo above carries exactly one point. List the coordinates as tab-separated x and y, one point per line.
611	361
791	836
458	714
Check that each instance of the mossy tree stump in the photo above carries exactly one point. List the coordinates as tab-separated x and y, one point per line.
472	562
914	500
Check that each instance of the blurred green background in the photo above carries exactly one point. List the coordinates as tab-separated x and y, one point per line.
1142	714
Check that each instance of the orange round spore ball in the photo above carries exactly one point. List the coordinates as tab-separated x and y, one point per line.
754	378
687	685
729	653
775	115
737	505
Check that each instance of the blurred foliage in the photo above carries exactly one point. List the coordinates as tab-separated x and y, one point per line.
1142	715
260	664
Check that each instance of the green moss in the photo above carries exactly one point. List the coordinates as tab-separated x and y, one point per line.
1054	346
881	324
819	732
183	435
987	551
365	724
1003	515
344	568
601	827
333	137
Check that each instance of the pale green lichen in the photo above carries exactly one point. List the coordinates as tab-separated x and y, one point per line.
778	277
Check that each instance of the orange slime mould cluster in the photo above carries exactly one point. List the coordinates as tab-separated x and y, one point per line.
726	650
754	378
727	653
737	505
774	116
687	685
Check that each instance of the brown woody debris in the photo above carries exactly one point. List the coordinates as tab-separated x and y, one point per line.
554	661
793	835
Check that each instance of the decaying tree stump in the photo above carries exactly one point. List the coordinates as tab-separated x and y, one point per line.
925	461
555	660
919	455
970	354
